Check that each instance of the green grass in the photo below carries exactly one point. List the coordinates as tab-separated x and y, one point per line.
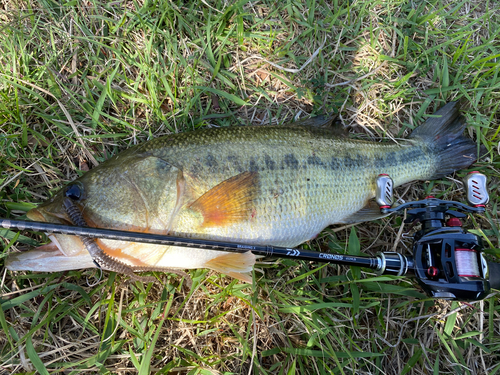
80	81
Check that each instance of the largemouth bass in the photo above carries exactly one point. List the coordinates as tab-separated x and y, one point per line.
275	185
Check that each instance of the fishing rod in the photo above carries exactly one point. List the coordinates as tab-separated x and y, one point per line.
447	261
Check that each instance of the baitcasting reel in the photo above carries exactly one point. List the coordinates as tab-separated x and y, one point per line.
447	260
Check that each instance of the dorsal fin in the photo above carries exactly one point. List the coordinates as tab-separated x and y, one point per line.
321	121
324	122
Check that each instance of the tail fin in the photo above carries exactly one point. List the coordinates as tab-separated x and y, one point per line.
444	137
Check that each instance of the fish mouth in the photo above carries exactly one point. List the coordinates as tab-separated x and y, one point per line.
39	214
62	254
35	215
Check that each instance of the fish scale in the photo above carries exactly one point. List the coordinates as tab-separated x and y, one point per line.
346	178
264	185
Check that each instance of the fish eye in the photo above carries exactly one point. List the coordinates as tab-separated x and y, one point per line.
74	191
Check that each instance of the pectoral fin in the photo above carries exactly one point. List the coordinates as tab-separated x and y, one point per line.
229	202
236	265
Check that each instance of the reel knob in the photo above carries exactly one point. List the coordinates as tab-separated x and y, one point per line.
475	187
384	195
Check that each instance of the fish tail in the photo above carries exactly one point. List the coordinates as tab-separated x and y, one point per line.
443	135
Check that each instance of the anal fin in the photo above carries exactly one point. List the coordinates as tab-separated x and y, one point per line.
236	265
368	213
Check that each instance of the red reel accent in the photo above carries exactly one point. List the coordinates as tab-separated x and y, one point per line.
454	222
432	272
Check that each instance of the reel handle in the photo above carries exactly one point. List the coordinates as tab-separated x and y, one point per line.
475	188
384	193
474	184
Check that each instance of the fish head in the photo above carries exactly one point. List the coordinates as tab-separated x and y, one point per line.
134	195
63	253
123	194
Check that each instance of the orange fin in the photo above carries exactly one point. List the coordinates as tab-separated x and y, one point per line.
229	202
245	277
236	265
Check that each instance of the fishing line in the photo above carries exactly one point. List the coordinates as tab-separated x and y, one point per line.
99	269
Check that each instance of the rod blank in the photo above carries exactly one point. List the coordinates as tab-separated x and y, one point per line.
159	239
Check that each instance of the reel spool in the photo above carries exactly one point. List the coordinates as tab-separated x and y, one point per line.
466	262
